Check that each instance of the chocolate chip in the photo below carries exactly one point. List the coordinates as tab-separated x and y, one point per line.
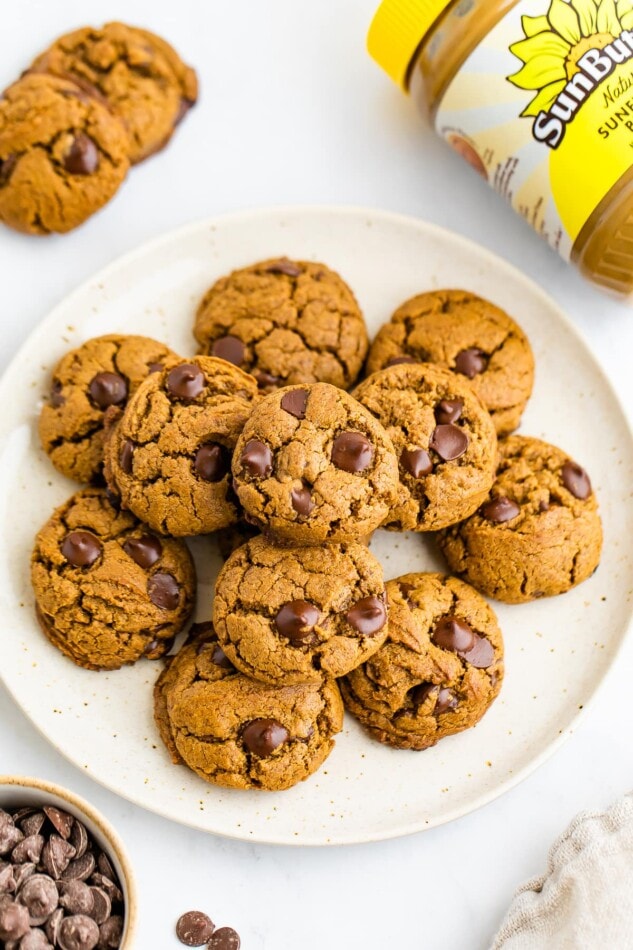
39	896
164	591
448	411
35	940
105	865
296	620
284	266
416	462
266	380
7	880
352	452
368	616
185	381
219	657
257	458
56	398
263	736
61	821
126	456
301	501
101	905
295	403
110	933
78	933
76	897
396	360
229	348
482	654
183	108
32	823
418	694
471	362
79	838
225	939
82	158
9	834
29	849
158	646
56	856
6	168
543	505
211	462
52	925
200	629
453	633
155	368
108	389
194	928
103	881
449	441
81	548
500	509
144	551
14	920
80	869
576	480
446	700
21	873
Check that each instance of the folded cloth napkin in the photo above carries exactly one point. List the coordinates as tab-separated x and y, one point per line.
584	901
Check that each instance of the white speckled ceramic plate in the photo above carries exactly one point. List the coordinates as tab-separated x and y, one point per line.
557	650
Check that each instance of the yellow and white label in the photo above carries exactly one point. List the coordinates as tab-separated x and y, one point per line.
543	109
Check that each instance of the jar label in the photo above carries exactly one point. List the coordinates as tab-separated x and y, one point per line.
543	109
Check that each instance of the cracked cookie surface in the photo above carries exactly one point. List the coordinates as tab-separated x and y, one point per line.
539	532
439	670
285	322
102	372
107	591
63	155
168	455
470	336
444	439
236	732
139	74
313	465
292	615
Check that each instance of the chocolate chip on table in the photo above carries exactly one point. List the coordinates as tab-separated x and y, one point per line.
82	158
81	548
126	456
185	381
194	928
576	480
229	348
78	932
14	919
108	389
296	620
144	551
500	509
257	458
368	616
471	362
225	939
211	462
263	736
416	462
301	501
352	452
284	266
164	591
448	411
449	441
295	402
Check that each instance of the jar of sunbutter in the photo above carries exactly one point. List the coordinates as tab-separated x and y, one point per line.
537	95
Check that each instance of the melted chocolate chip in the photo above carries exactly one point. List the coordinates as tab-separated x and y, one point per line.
266	380
301	501
446	700
194	928
229	348
296	620
219	657
284	266
500	509
82	158
211	462
155	367
56	398
481	655
185	381
471	362
295	403
145	551
108	389
576	480
368	616
448	411
396	360
263	736
257	458
352	452
6	169
164	591
416	462
158	647
420	693
453	633
449	441
126	456
81	548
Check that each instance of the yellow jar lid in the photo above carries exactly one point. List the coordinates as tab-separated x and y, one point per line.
397	30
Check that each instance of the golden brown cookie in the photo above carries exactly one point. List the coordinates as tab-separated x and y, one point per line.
444	439
468	335
438	672
313	465
537	534
235	732
102	372
139	74
285	322
63	155
292	615
108	591
169	455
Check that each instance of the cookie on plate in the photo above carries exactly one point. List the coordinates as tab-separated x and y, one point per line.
141	76
444	439
313	465
292	615
168	456
285	322
468	335
107	590
236	732
439	670
63	155
102	372
537	534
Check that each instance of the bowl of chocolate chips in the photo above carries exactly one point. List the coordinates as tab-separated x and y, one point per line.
65	879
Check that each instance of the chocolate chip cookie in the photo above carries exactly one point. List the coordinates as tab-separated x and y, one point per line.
292	615
142	78
285	322
537	534
63	155
102	372
233	731
313	465
169	455
107	590
468	335
439	670
444	439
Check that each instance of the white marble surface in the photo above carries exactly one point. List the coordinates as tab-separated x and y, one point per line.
293	111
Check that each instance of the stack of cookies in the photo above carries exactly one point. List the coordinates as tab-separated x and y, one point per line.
258	441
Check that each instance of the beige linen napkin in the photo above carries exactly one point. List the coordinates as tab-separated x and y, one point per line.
584	901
